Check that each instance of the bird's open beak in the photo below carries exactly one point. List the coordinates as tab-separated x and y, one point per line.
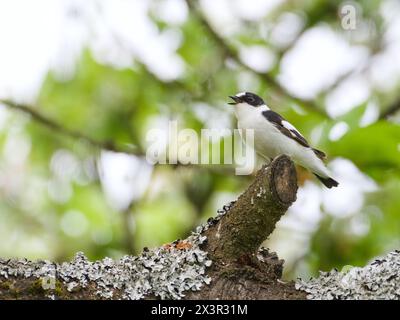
235	99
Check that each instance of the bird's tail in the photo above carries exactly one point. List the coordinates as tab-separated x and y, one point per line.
328	182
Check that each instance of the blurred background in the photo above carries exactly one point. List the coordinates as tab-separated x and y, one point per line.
82	82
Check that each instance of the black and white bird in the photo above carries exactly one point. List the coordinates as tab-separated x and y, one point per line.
273	136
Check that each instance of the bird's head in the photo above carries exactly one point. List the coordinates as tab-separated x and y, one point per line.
247	98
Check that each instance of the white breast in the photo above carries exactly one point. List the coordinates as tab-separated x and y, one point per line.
267	139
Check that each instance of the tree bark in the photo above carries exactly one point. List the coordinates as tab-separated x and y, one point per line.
254	215
239	268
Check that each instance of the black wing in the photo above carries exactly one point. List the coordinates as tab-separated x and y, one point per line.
290	131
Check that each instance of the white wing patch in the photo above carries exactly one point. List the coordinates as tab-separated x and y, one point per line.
285	127
289	126
293	131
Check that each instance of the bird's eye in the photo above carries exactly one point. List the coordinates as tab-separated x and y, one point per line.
250	99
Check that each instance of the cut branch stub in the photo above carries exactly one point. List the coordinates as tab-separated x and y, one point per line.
253	217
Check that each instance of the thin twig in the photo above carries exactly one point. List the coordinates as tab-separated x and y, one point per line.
104	145
51	124
127	216
391	110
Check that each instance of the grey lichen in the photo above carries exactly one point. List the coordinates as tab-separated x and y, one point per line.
380	279
165	272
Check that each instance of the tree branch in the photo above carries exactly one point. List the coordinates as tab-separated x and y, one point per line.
233	53
237	268
53	125
253	217
104	145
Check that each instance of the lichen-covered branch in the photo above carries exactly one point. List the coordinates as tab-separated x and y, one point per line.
219	260
379	280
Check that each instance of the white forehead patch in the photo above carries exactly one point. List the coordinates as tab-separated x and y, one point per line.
241	94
